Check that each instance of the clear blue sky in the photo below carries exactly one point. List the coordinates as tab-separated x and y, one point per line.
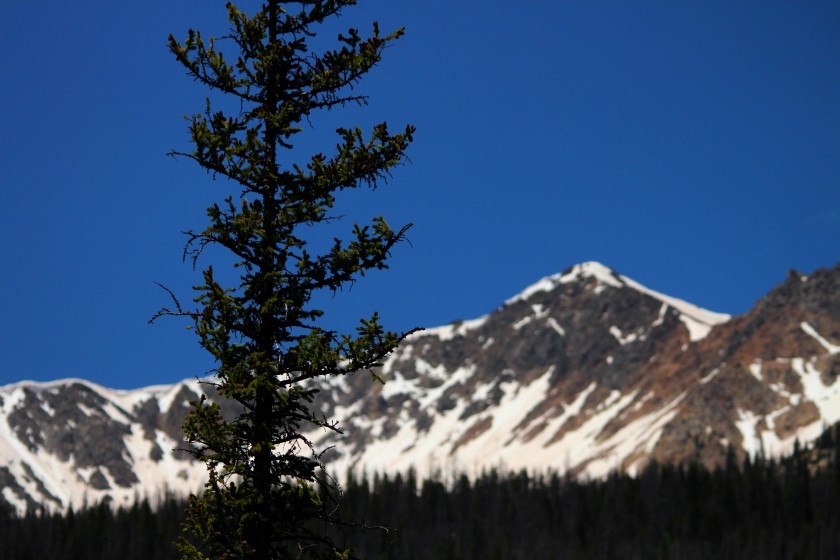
693	146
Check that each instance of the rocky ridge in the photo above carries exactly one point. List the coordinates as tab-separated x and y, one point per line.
583	372
588	371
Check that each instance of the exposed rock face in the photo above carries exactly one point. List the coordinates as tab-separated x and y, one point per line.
71	442
585	371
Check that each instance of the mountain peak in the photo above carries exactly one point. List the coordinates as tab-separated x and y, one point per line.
583	372
698	320
579	272
590	269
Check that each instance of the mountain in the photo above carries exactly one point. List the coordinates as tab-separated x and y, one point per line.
583	372
588	371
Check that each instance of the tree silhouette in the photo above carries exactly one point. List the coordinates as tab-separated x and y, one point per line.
266	480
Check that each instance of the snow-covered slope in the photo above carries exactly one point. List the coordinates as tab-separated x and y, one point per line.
587	371
583	372
75	442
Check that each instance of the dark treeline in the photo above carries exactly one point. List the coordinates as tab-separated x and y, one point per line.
754	509
766	509
138	532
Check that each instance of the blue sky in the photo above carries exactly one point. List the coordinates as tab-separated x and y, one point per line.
693	146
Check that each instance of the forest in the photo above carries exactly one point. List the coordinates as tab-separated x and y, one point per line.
759	508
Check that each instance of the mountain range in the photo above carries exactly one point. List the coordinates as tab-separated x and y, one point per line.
583	372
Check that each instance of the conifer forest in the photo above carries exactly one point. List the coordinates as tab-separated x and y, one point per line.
760	508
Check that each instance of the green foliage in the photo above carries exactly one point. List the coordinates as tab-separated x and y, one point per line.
266	479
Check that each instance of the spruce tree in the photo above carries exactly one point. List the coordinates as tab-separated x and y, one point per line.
268	495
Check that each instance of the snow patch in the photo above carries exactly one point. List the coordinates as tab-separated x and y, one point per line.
14	500
522	322
746	424
448	332
458	377
539	312
604	275
810	331
552	322
709	377
663	309
622	338
697	320
398	385
825	397
755	370
592	269
50	411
